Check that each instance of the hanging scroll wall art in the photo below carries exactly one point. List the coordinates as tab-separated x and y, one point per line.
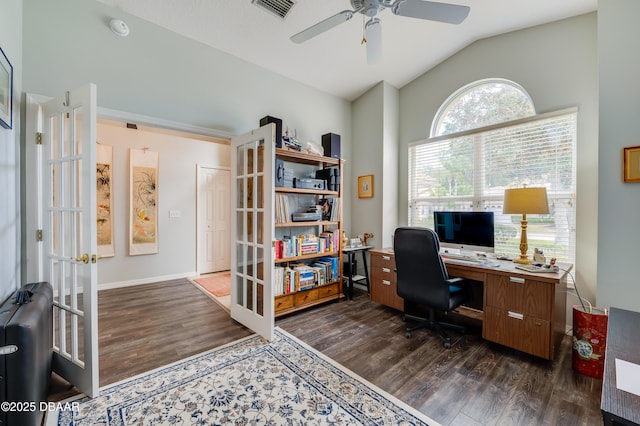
104	211
143	224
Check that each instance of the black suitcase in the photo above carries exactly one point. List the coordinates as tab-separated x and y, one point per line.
26	350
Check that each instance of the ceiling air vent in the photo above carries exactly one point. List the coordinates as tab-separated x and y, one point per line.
280	8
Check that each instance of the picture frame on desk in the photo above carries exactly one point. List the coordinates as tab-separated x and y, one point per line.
365	186
6	91
631	164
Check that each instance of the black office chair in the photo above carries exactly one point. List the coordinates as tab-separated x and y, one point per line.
422	278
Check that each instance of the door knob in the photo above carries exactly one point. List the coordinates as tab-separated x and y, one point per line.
84	258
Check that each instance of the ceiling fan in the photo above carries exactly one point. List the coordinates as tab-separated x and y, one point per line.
422	9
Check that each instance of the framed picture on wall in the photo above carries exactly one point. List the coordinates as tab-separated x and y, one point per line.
365	186
6	91
631	164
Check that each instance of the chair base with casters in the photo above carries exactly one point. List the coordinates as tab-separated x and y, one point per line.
435	325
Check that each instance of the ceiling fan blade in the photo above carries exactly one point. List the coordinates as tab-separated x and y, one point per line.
322	26
373	35
441	12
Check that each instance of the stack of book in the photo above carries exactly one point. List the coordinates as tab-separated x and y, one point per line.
308	244
283	212
332	265
305	277
300	245
300	276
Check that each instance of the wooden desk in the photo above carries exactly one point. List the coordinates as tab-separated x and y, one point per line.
522	310
620	407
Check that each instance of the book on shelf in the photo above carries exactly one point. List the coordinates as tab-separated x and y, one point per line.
307	244
283	210
330	208
294	209
334	263
300	276
305	277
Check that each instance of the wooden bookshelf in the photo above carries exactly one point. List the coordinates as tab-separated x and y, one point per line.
291	302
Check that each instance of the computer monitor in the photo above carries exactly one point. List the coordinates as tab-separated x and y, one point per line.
465	231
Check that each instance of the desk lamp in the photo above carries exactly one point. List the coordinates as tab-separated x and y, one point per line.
525	201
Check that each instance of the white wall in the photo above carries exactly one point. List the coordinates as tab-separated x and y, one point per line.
374	151
10	239
157	73
557	64
368	131
389	165
619	202
177	189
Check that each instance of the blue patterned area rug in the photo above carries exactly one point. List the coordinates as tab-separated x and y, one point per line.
247	382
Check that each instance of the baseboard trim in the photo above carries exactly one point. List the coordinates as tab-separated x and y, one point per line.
148	280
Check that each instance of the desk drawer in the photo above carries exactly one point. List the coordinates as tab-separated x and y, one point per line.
385	291
524	296
527	334
383	280
380	261
461	272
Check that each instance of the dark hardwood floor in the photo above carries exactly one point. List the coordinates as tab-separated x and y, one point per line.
144	327
473	383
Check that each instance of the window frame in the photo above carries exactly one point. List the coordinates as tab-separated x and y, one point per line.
455	96
478	199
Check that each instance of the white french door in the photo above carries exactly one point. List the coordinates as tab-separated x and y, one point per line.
69	233
252	230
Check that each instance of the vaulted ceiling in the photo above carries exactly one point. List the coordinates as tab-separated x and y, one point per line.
335	61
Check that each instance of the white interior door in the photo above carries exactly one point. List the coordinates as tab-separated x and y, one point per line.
69	233
252	230
214	198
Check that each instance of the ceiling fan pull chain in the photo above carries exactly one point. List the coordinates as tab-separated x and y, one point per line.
364	38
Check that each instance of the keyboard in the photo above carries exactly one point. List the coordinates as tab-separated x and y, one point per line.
465	258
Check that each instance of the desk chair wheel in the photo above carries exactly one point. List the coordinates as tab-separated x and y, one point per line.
408	334
447	343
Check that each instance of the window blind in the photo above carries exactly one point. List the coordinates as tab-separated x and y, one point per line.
469	171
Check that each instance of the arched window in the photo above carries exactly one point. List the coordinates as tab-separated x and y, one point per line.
480	104
485	138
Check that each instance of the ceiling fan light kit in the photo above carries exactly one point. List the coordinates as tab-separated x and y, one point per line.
373	37
368	8
421	9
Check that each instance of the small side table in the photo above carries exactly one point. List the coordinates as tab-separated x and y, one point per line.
351	252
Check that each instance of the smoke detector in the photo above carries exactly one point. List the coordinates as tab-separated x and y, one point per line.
119	27
279	8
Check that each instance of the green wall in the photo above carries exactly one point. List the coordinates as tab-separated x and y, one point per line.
556	63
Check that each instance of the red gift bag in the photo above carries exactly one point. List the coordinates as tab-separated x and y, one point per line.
589	340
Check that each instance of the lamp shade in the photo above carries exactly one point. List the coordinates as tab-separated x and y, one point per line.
525	201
